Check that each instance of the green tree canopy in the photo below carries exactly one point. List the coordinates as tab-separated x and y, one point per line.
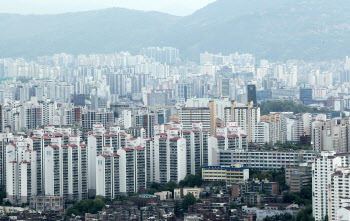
191	181
87	206
188	200
287	106
170	186
274	176
305	215
302	198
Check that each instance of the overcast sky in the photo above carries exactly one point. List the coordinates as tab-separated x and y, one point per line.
176	7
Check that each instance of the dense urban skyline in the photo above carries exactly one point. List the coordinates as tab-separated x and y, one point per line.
231	113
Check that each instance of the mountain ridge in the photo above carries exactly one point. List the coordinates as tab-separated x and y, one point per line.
301	29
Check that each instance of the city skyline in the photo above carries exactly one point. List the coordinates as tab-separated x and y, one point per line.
237	112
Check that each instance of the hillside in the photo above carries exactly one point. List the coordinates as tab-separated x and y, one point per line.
273	29
101	31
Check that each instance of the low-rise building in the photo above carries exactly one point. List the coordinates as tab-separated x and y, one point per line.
240	188
260	160
253	198
298	180
298	177
268	211
179	193
164	195
144	199
47	203
226	174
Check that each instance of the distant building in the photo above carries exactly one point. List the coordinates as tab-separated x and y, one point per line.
165	55
251	93
306	95
78	99
1	119
263	95
183	91
159	97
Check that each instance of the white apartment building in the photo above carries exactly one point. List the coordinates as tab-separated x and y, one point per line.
126	171
149	160
141	166
125	119
169	158
326	184
248	118
196	147
231	137
104	176
331	135
21	182
339	194
188	115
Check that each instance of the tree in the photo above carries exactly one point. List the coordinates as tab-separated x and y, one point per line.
287	106
177	208
302	198
156	186
2	193
305	214
87	206
191	181
188	200
275	176
152	191
170	186
234	205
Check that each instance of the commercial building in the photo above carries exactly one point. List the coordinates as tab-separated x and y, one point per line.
251	93
306	95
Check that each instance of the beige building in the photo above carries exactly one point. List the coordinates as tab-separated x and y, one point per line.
181	192
164	195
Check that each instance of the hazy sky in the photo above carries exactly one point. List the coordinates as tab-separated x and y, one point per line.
176	7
